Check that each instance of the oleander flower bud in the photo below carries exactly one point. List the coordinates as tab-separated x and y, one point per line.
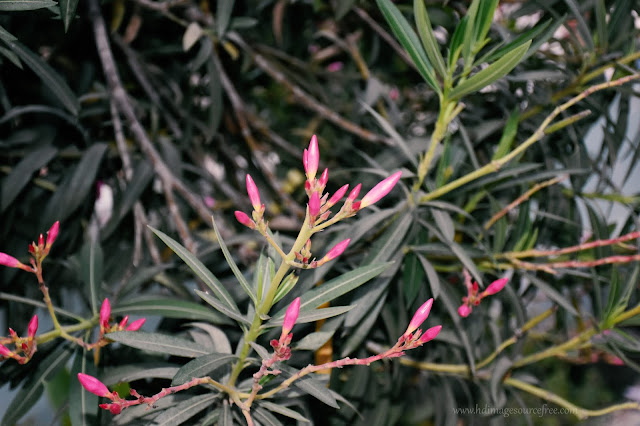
94	385
337	196
52	234
135	326
311	158
430	334
12	262
254	195
290	317
495	286
33	327
244	219
380	190
105	313
5	352
418	318
314	204
336	251
324	178
464	310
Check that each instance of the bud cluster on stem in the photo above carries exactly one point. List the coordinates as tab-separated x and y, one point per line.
474	296
25	347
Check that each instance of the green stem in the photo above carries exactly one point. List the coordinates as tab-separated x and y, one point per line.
436	137
266	305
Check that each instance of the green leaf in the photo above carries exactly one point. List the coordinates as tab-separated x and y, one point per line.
313	341
285	411
508	135
484	18
265	418
337	287
552	294
132	372
83	406
409	40
232	264
156	342
200	270
15	5
73	192
468	41
432	275
412	277
493	72
425	31
91	265
183	411
26	398
519	41
201	366
313	315
223	15
168	308
455	45
342	8
67	12
22	173
6	35
222	307
311	385
48	75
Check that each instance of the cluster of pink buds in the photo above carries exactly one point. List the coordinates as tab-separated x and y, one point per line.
25	345
318	205
38	251
474	296
98	388
107	327
413	337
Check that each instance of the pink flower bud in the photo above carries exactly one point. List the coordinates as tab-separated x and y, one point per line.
430	334
380	190
311	159
9	261
337	250
4	351
324	178
314	204
418	318
105	313
354	193
254	195
94	385
290	317
41	241
135	326
33	327
495	286
335	66
464	311
244	219
52	234
338	195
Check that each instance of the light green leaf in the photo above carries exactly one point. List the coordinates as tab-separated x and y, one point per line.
201	366
285	411
232	264
133	372
200	270
222	307
16	5
91	265
409	40
68	12
508	135
425	31
169	308
493	72
312	386
313	341
314	315
156	342
183	411
223	15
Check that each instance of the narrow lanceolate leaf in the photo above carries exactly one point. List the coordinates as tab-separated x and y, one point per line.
155	342
232	264
313	315
201	366
223	15
285	411
312	386
222	308
83	406
91	259
22	173
409	40
133	372
14	5
200	270
183	411
425	31
169	308
337	287
68	12
26	398
48	75
493	72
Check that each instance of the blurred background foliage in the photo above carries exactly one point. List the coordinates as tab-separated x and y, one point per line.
224	88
